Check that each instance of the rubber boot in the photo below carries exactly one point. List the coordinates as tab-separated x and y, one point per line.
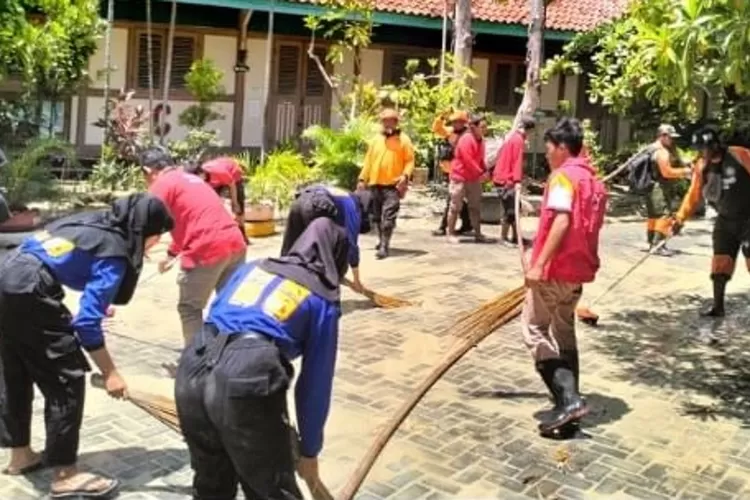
379	230
546	373
720	287
572	407
571	357
385	244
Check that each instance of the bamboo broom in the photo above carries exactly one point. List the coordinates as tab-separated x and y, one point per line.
471	329
382	301
165	411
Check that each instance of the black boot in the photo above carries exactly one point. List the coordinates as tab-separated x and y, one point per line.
385	244
720	288
572	406
379	230
571	357
545	371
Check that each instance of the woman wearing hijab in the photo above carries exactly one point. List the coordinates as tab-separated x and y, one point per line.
232	381
101	254
349	210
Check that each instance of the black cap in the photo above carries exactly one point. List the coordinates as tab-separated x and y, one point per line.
156	157
705	138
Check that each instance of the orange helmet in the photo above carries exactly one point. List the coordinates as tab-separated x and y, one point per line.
389	114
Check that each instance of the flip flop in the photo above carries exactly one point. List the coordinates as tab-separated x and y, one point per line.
24	470
81	491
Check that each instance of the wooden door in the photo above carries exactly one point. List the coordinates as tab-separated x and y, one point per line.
300	97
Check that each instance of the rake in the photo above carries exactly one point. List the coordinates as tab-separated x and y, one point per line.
165	411
382	301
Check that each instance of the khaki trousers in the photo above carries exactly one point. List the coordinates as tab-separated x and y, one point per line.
196	286
548	318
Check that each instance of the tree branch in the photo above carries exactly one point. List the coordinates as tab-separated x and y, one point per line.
321	67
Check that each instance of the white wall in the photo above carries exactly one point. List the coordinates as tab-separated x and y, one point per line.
119	61
372	66
252	135
222	50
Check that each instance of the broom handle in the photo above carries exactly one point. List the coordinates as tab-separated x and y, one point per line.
392	425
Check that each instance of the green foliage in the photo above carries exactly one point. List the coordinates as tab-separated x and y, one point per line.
248	162
127	129
195	145
346	24
276	181
114	174
657	62
204	84
593	146
497	126
339	154
27	177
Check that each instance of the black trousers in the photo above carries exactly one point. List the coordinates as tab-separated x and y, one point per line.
385	207
231	402
465	219
308	206
508	201
730	237
38	346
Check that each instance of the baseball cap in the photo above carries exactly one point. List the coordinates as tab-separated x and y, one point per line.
389	114
666	129
156	157
459	116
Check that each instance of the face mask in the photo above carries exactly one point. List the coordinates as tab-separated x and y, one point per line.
390	132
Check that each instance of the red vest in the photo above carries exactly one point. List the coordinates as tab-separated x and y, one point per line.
577	258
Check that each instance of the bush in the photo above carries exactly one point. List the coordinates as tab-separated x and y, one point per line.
276	180
27	176
339	154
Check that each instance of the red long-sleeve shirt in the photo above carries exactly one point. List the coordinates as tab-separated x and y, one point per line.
509	165
222	172
204	233
468	159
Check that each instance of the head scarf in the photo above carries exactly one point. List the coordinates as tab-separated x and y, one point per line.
317	260
364	200
120	231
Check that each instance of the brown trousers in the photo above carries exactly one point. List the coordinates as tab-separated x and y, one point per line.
548	318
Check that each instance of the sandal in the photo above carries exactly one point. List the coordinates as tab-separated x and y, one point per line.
24	470
83	490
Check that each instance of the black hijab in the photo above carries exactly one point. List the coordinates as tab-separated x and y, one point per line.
364	200
317	260
120	231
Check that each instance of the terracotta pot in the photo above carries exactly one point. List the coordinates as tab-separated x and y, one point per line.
258	212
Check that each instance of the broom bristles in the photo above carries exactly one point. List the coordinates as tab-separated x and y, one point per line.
383	301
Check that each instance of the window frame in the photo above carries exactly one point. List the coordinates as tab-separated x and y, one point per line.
134	35
516	64
417	53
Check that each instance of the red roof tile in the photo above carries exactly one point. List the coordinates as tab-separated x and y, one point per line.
569	15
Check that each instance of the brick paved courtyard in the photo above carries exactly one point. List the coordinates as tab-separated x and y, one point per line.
669	393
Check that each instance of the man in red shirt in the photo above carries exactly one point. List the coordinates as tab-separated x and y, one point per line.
204	236
564	257
222	174
467	174
508	173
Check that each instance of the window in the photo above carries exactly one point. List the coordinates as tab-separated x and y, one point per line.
396	67
184	52
506	77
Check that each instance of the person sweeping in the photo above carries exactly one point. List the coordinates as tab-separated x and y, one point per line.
101	254
388	165
224	174
722	176
564	257
232	381
349	210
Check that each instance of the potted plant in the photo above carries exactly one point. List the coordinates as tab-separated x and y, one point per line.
492	207
272	188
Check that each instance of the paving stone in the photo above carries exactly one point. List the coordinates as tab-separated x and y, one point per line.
412	492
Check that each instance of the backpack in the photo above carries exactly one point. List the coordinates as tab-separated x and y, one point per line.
640	170
445	150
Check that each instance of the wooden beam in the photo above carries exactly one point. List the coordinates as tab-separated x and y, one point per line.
238	117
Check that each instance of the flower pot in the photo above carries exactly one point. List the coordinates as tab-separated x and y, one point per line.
260	229
492	208
420	176
258	212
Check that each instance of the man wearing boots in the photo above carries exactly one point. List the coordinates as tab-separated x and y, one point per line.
508	173
450	133
565	255
722	176
660	201
388	165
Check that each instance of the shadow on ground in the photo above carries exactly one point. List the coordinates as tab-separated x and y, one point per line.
676	350
353	305
138	466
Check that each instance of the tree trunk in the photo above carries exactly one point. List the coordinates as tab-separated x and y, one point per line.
532	94
462	38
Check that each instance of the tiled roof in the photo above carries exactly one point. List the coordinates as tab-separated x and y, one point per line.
567	15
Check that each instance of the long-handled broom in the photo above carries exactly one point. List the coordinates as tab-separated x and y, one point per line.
382	301
165	411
